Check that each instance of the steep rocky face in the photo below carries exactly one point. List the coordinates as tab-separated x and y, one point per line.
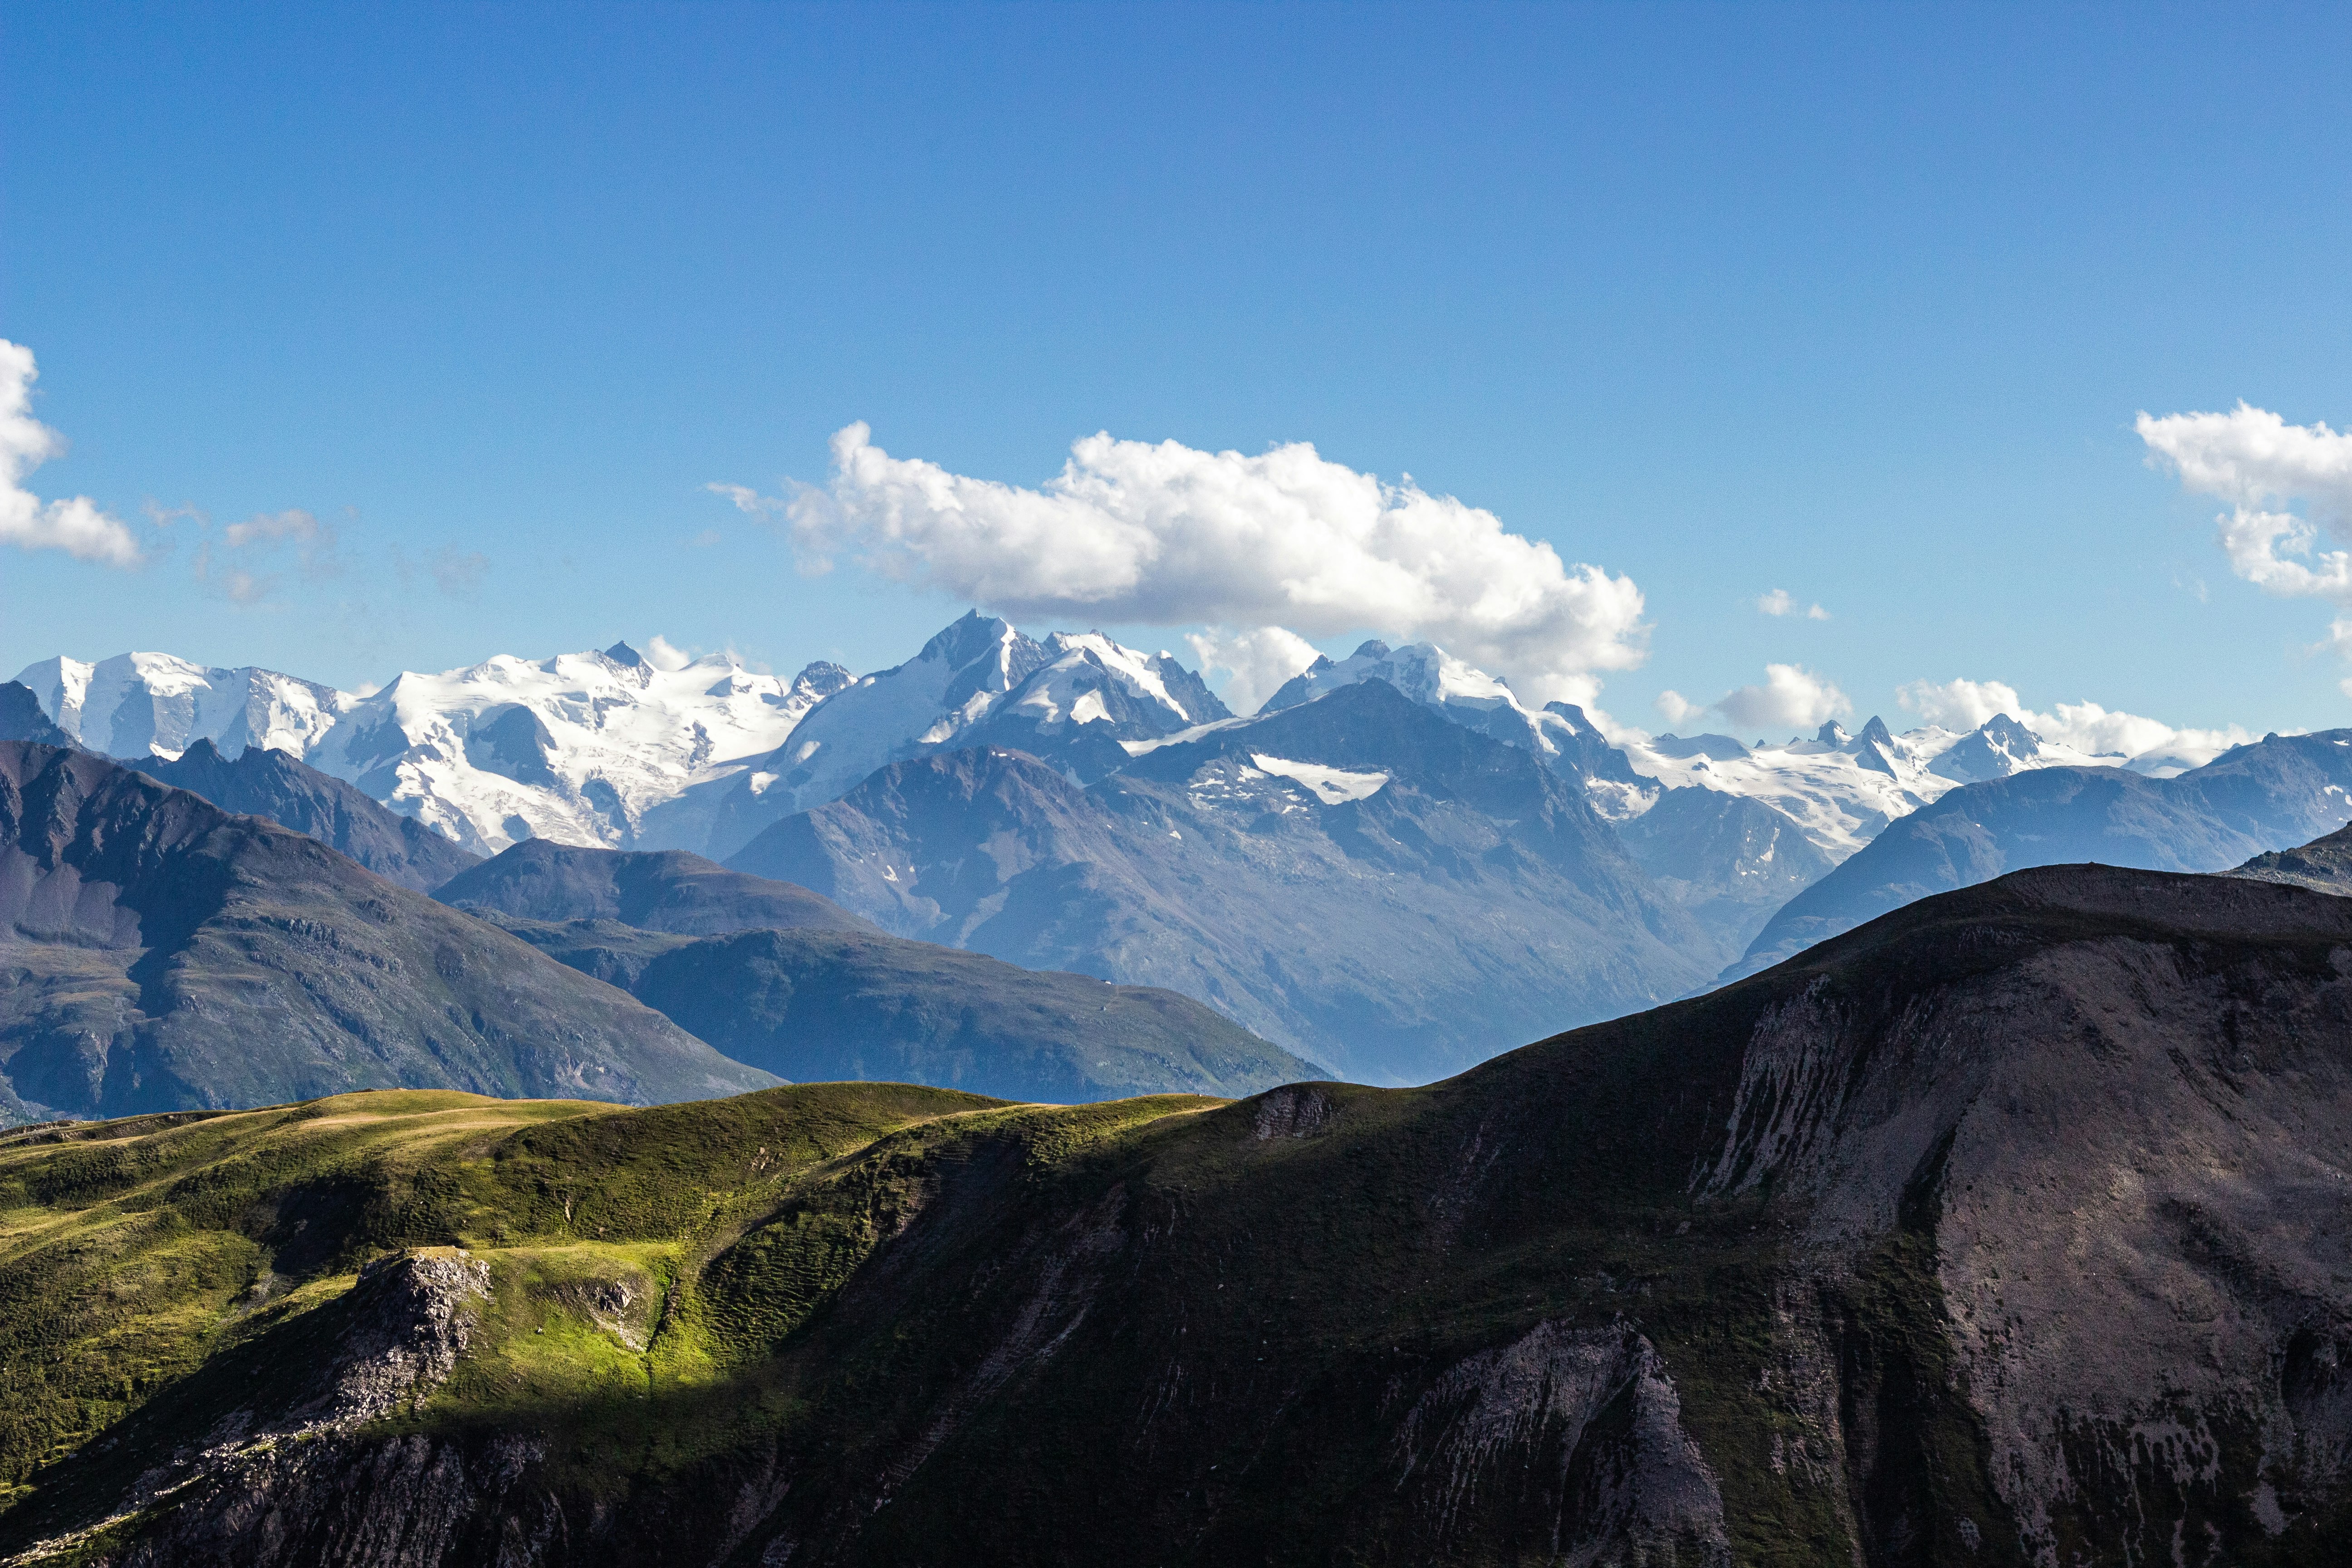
668	891
264	783
1356	879
159	953
2282	791
2013	1229
816	1005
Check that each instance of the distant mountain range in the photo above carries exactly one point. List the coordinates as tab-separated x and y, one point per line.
1355	878
1375	899
2282	790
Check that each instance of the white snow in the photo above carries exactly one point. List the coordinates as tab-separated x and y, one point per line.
1331	785
1838	803
135	704
621	740
884	716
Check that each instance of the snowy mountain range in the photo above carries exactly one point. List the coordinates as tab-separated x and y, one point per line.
1395	866
606	748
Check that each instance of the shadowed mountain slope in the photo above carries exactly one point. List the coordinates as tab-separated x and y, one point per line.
2323	865
1356	879
21	718
820	1005
2012	1228
2283	790
264	783
668	890
158	953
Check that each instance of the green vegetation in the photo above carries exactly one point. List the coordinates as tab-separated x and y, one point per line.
132	1253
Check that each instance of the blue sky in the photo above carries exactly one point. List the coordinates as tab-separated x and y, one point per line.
1856	302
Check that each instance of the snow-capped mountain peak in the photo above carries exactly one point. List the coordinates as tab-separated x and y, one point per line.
1074	698
578	748
139	704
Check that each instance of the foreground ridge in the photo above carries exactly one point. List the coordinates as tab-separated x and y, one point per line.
2011	1227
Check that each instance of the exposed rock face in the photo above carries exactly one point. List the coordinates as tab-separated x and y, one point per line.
2323	865
290	1485
2112	1169
1617	1471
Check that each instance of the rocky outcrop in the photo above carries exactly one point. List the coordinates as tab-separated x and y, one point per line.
294	1484
1575	1433
2323	865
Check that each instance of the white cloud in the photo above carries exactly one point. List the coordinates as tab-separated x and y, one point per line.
662	654
76	526
1259	661
2085	726
2261	464
1678	708
1778	602
1791	697
1168	535
1959	704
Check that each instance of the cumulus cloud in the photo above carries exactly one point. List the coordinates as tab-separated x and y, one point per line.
1791	697
1959	704
1780	603
1164	534
1258	662
2262	466
662	654
1678	708
76	526
2085	726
